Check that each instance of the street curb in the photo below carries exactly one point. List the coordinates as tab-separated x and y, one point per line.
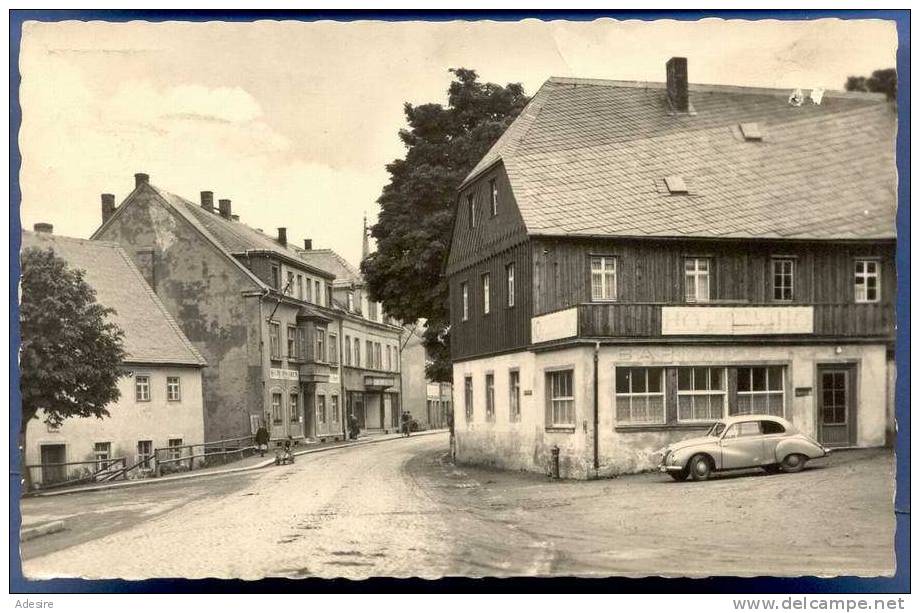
32	532
192	475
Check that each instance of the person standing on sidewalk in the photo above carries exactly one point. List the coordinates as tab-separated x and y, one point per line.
262	438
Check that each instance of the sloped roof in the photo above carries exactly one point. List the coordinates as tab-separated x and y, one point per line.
233	236
151	334
333	263
589	157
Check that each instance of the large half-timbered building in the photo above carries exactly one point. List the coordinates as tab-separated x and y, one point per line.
632	261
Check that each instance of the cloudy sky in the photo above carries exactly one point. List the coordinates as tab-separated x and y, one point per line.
295	121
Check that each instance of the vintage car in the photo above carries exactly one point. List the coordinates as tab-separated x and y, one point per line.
742	441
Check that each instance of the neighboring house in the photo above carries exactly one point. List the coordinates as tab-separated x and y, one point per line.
161	396
632	261
259	313
368	341
428	401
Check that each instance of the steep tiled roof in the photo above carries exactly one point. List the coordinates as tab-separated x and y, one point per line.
333	263
233	236
151	334
589	157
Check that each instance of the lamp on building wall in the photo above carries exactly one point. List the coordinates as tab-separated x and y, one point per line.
838	349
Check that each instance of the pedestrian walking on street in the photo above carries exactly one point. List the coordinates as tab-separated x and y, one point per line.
262	438
406	423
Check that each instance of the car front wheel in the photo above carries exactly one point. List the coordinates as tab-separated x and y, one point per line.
700	467
793	463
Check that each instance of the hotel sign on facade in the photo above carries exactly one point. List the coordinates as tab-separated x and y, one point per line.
733	321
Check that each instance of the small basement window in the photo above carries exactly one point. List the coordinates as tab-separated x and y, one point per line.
751	131
675	184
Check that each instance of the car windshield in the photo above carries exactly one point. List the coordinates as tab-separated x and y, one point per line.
717	429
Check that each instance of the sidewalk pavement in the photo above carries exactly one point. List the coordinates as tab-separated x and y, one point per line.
251	463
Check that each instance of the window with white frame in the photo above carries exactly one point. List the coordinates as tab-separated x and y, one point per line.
318	292
468	398
640	395
490	397
493	197
102	452
274	340
696	279
142	388
289	286
867	282
471	210
173	391
560	387
357	344
294	400
369	353
320	345
335	408
603	278
761	390
277	409
465	294
701	393
300	287
144	454
321	408
509	283
514	395
333	349
486	302
292	341
174	451
783	279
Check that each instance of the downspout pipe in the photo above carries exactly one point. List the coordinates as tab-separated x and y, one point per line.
597	349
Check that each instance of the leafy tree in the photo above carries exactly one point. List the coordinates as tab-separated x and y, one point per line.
883	81
413	231
71	354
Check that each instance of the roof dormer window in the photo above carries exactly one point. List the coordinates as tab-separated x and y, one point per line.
675	184
751	131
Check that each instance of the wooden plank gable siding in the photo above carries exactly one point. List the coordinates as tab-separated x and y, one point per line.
490	234
651	271
504	328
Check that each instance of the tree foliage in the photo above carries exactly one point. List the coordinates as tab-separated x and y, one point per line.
413	231
71	354
884	81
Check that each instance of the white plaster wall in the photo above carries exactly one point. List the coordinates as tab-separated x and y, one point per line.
525	445
130	421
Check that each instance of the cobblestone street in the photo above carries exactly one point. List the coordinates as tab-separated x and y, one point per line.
398	509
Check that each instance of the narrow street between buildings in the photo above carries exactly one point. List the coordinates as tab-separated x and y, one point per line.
399	509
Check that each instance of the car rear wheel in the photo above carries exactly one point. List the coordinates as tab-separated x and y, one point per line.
794	462
678	475
700	468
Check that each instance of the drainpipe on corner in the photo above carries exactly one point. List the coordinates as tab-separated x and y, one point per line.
597	349
342	400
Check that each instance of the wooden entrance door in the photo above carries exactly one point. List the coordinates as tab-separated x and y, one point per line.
51	455
837	406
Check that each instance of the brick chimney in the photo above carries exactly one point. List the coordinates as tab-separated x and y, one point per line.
282	237
108	206
678	87
141	178
44	228
224	207
307	244
207	201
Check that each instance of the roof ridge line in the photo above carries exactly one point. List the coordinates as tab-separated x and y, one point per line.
715	88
